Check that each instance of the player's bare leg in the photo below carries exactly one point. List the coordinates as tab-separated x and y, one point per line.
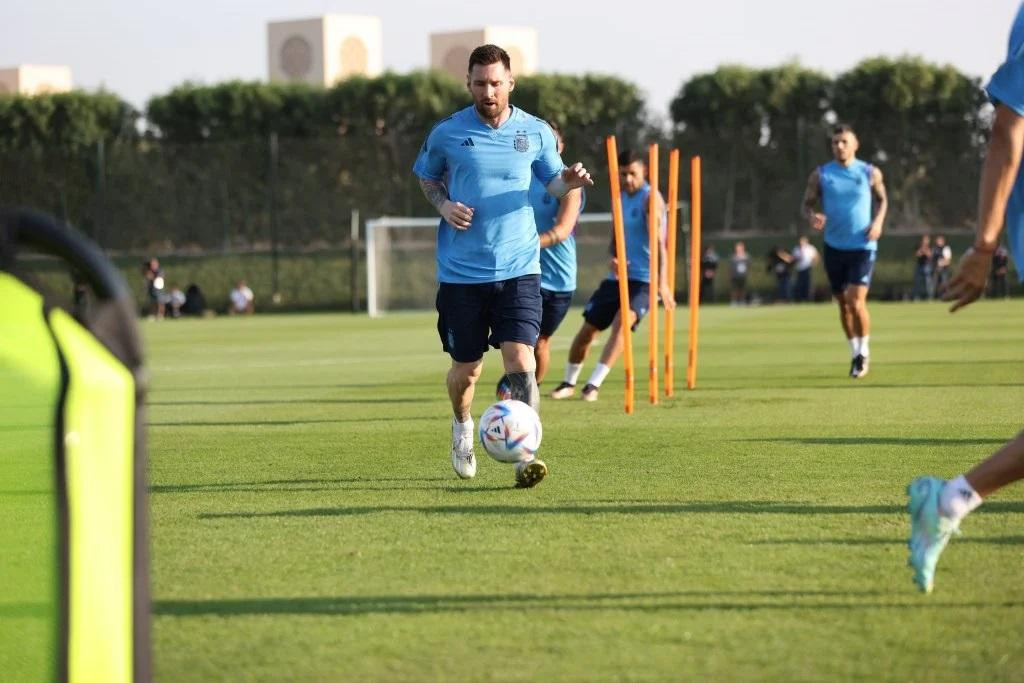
578	351
937	507
856	298
609	355
542	355
462	378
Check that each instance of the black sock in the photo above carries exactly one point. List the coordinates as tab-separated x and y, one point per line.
524	388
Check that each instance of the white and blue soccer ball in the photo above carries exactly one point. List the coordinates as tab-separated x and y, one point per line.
510	431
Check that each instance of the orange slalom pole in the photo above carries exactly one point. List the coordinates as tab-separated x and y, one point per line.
654	230
695	255
620	259
670	267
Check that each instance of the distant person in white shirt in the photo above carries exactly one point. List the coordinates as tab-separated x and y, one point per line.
241	299
804	258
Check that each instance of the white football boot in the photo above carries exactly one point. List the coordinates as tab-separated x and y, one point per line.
463	460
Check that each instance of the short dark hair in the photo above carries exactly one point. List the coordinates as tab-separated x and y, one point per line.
485	55
841	128
629	156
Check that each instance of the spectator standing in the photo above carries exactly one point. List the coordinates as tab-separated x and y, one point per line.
780	263
739	264
708	268
1000	267
805	256
923	270
155	284
942	264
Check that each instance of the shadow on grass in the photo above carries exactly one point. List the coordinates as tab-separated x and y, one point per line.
753	507
330	385
301	401
640	602
959	540
882	441
839	384
292	423
285	485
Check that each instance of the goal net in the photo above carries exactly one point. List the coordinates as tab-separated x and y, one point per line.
401	273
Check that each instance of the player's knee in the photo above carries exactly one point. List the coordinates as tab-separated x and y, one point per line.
467	373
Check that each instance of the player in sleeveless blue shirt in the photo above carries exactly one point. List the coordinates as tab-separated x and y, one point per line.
602	310
845	188
475	168
937	507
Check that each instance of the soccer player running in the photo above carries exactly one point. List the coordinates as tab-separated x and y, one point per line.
602	310
556	226
844	187
475	168
937	507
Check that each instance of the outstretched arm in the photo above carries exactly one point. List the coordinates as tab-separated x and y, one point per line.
565	221
810	204
878	190
570	178
1002	163
458	215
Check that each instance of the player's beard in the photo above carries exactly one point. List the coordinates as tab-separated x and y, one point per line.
485	112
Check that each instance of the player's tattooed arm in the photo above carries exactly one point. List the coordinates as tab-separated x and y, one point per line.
435	192
457	215
882	204
809	207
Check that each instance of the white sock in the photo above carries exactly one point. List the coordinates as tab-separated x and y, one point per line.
864	346
572	372
958	498
597	376
854	346
462	427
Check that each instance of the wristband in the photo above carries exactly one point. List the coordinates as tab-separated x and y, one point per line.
983	249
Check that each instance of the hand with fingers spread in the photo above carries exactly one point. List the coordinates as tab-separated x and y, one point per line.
457	214
968	284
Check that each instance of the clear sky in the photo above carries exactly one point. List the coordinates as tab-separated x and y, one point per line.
139	48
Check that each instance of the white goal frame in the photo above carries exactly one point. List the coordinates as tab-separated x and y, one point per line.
385	222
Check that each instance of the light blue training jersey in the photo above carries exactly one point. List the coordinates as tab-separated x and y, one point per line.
1007	88
557	262
638	240
489	170
846	202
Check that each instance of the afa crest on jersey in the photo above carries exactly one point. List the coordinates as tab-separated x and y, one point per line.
521	142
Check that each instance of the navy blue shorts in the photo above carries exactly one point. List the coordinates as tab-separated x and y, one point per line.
471	317
604	303
845	268
556	305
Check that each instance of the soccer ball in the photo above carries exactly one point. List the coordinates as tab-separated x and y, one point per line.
510	431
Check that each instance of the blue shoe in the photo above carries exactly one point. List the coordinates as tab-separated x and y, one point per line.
929	530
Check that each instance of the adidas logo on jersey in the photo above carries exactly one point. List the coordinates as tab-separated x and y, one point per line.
468	142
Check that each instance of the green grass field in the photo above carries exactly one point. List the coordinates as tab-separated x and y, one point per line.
306	524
